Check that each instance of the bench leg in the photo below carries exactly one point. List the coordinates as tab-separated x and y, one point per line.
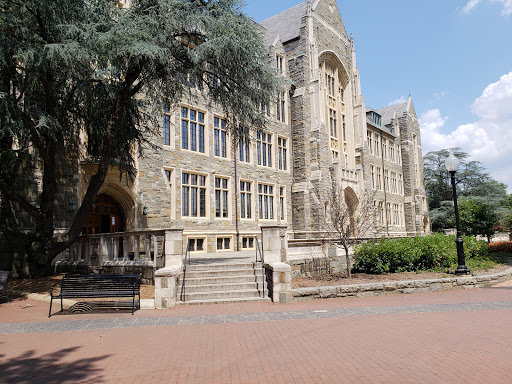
50	311
61	304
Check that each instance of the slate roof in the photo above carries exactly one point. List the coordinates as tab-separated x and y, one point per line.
286	24
388	112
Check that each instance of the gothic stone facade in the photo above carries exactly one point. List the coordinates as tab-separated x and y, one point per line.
221	193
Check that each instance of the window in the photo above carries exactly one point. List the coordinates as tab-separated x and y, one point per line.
400	184
379	180
282	203
333	123
245	200
396	215
282	153
330	82
170	182
388	212
376	151
243	151
166	131
394	188
279	63
195	245
344	128
385	148
192	130
221	197
219	137
193	195
374	179
247	242
266	201
386	180
223	243
369	140
264	148
380	212
280	107
392	152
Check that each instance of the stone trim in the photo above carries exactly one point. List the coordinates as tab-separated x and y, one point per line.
400	287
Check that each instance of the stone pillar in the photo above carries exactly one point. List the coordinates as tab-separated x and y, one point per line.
173	245
279	278
166	282
275	243
103	255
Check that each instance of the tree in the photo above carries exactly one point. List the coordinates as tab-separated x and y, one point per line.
90	73
347	218
477	218
473	182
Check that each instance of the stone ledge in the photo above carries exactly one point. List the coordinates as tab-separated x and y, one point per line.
400	287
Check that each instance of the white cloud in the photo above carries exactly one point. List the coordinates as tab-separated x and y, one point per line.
489	139
506	10
470	5
400	100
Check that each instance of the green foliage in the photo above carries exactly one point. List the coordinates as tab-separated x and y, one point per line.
472	182
477	218
414	254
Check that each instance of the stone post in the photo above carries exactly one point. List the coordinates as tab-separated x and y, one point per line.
166	279
275	243
279	277
166	282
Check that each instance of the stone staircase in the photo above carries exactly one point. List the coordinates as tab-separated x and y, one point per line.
223	283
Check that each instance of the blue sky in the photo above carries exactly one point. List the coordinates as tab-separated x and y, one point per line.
454	57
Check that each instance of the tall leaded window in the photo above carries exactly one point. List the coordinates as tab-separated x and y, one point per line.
219	137
279	63
282	203
333	123
221	197
245	200
193	187
264	148
282	145
244	151
166	131
192	130
281	106
369	136
266	201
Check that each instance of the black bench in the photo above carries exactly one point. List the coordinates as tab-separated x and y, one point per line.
4	279
97	287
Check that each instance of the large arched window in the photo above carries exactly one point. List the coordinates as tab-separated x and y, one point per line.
334	80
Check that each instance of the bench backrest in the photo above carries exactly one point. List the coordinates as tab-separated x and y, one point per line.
4	278
100	283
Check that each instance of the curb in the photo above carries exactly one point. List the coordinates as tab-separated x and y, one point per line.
401	287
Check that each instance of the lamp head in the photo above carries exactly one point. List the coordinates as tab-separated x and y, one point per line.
452	163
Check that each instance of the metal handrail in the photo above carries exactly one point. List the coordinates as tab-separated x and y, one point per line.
262	258
187	256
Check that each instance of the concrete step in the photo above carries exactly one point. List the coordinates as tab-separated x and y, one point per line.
220	273
241	293
225	301
223	280
189	288
230	266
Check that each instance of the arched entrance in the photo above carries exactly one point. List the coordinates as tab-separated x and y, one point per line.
106	216
352	202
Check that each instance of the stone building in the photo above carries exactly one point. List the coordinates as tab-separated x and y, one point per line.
222	192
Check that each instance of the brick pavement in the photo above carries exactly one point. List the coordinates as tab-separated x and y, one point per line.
444	337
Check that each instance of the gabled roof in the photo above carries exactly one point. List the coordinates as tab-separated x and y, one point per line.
286	24
388	112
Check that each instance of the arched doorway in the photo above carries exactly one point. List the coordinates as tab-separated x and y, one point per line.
106	216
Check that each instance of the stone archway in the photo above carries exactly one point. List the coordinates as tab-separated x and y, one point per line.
106	216
352	202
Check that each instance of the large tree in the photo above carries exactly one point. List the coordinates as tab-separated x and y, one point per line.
96	72
472	182
477	218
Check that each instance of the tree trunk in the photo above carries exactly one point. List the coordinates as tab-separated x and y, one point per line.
349	267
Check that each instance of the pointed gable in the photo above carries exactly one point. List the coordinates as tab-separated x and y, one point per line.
330	13
285	25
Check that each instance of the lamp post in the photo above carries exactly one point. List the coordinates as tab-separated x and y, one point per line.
452	165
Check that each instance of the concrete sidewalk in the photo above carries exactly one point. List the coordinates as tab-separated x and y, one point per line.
460	336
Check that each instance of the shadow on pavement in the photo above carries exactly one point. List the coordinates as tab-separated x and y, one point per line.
53	367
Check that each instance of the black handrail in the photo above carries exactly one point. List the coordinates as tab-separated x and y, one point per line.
187	256
262	258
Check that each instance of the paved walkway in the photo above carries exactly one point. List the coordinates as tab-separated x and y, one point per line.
462	336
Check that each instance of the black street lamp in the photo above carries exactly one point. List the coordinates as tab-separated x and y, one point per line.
452	165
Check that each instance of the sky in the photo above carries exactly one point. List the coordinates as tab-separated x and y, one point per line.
454	57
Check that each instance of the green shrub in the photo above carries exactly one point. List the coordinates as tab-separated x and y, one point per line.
414	254
501	247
